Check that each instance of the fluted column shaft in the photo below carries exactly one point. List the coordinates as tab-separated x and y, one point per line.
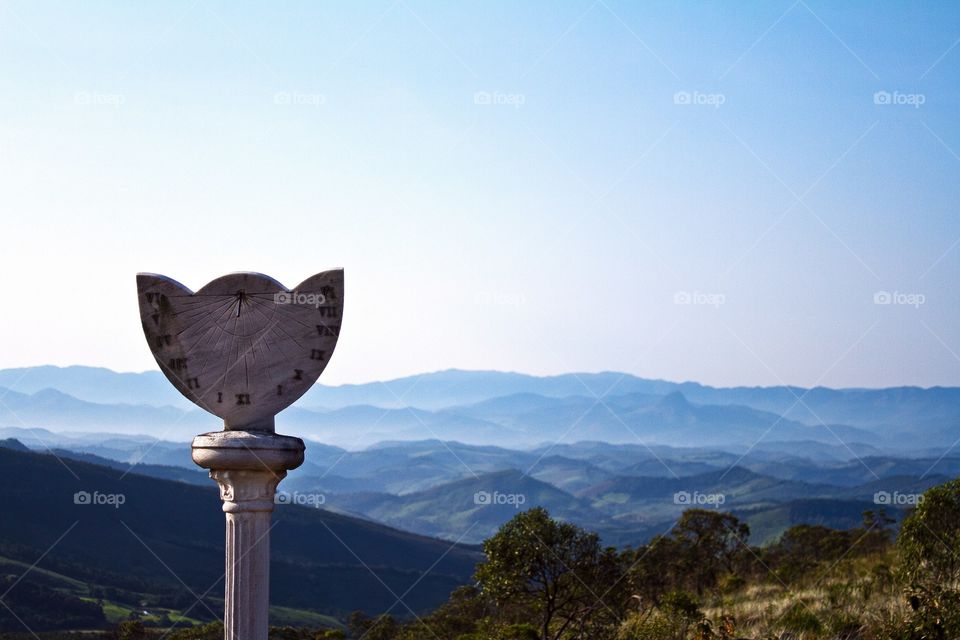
248	504
247	466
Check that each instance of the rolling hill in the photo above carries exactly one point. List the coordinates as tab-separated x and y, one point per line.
164	543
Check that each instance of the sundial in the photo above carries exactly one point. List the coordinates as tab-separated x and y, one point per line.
243	347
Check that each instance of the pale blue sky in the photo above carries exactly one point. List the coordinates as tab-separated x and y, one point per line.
551	230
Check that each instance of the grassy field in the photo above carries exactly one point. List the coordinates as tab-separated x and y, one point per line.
844	601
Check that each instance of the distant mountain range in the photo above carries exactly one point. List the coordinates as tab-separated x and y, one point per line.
625	492
516	410
453	387
625	510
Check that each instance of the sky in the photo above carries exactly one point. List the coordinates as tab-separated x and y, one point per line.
752	193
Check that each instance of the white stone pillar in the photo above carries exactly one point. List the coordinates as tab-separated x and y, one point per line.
248	466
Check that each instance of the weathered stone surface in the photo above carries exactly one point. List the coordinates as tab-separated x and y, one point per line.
244	348
254	450
248	501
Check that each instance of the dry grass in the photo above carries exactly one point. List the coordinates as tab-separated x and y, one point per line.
854	596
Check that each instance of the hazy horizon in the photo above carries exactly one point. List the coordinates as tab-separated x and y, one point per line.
509	372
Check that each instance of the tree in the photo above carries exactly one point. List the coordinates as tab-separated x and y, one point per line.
557	570
651	570
383	627
803	547
930	537
929	544
708	544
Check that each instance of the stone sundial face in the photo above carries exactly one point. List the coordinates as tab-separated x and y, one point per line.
243	347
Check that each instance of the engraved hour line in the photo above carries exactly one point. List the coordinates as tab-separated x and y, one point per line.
294	316
319	331
259	340
177	366
267	318
200	309
193	383
251	352
221	339
238	356
274	368
280	344
230	365
232	362
290	311
195	302
285	333
298	373
198	332
211	317
208	318
210	329
213	324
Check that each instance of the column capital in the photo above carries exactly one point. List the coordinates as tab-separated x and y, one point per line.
243	490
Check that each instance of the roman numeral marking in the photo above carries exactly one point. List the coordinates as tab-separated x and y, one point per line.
243	398
315	354
328	331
